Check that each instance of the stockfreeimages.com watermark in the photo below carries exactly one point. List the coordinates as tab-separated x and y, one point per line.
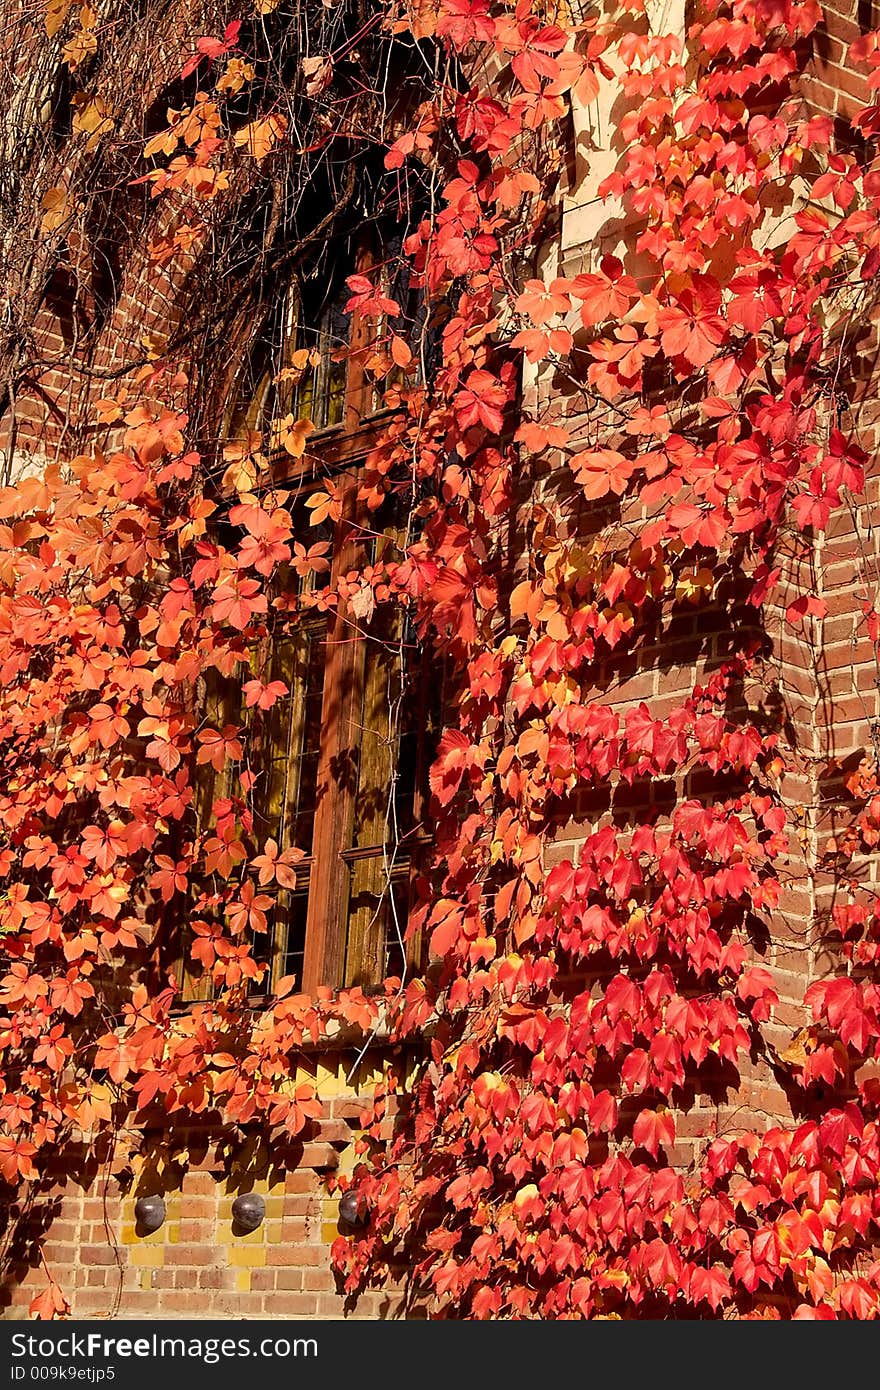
44	1356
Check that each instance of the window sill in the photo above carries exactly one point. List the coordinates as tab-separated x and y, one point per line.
340	1037
334	447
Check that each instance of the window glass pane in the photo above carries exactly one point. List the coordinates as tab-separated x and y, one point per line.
394	724
392	718
258	396
323	328
378	735
394	919
222	705
196	984
276	379
289	746
420	329
295	944
287	931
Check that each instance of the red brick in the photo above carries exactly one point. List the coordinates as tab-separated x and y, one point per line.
282	1304
196	1255
98	1255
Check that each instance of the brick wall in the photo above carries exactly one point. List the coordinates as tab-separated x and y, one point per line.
198	1263
825	681
828	83
818	683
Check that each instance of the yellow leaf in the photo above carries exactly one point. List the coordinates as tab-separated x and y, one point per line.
247	447
56	13
55	208
163	143
293	435
108	411
300	362
258	138
532	740
240	475
799	1049
324	505
154	345
236	73
525	1196
92	117
244	460
521	598
693	584
81	46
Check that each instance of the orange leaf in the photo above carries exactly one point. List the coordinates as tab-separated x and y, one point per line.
400	352
293	435
259	138
600	471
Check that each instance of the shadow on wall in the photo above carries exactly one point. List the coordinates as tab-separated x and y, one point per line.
199	1221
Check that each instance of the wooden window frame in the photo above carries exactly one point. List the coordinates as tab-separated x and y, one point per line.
340	452
334	956
329	958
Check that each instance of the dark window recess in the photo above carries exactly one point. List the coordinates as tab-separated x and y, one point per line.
297	364
418	325
290	741
341	760
287	933
322	330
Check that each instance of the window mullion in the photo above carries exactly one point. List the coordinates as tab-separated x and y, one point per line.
337	777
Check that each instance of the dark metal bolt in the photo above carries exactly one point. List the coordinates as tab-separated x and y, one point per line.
352	1211
248	1211
149	1213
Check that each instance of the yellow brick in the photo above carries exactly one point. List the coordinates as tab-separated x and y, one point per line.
151	1256
152	1237
243	1281
329	1079
306	1072
128	1235
227	1236
365	1077
347	1159
274	1233
250	1256
146	1278
329	1232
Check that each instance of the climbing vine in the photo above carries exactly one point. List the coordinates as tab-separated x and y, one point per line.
610	1112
